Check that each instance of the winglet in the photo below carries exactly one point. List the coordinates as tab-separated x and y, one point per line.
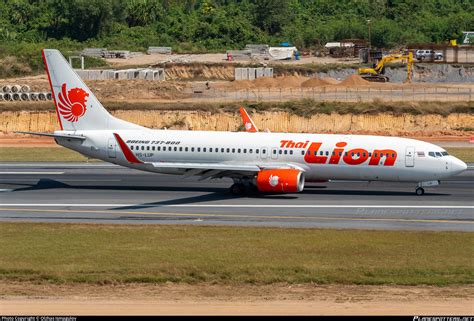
131	158
248	123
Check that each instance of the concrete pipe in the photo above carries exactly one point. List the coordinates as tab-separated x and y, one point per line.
7	89
8	96
25	96
16	88
42	96
25	88
49	96
16	97
33	96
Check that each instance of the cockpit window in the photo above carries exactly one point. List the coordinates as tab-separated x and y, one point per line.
432	154
438	154
445	153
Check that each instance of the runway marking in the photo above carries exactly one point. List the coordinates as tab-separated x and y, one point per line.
31	173
243	216
243	205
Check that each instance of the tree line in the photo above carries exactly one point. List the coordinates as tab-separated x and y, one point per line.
209	25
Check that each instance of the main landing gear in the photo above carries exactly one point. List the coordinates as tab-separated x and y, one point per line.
243	186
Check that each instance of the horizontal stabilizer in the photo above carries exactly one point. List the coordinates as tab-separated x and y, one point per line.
54	135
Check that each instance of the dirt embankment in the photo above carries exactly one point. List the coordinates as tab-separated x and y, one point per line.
454	124
280	299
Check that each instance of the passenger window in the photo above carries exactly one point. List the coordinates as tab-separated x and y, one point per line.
204	149
321	153
238	150
210	149
222	150
233	150
169	149
393	155
181	149
358	154
352	154
315	153
153	148
279	152
256	151
345	153
192	149
176	149
143	147
363	154
228	150
291	152
375	154
327	153
158	148
286	152
302	153
199	149
245	150
185	149
370	154
250	151
131	147
340	153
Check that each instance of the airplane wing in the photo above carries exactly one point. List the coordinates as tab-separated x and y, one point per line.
219	170
207	170
248	123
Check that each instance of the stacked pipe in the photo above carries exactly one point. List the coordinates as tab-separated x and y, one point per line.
22	93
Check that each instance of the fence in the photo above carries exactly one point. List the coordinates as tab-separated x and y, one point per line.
338	94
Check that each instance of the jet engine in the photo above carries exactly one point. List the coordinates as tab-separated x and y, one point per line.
280	180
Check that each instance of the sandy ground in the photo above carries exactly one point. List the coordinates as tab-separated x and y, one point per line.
138	299
221	58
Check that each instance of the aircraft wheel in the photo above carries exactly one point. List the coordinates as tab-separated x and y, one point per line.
237	189
420	191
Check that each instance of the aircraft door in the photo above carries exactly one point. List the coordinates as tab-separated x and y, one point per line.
410	156
111	147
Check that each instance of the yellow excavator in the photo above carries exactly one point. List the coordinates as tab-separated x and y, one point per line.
376	74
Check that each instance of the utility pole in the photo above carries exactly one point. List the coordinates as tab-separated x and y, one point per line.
370	44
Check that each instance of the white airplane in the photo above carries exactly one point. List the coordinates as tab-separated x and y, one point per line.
259	161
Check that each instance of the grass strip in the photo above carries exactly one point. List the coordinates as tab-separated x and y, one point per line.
104	254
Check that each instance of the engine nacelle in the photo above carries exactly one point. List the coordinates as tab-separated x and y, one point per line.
280	180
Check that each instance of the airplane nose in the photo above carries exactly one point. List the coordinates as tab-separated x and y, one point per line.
457	166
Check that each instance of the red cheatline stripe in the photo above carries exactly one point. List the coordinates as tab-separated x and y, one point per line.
52	90
126	151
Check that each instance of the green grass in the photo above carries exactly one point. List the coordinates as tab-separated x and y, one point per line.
231	255
304	107
55	154
39	154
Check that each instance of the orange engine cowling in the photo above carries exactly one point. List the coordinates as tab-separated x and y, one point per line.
280	180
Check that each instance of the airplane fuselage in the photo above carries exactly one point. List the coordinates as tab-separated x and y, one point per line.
321	156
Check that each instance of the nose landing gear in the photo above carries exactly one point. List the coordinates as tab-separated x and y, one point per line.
420	191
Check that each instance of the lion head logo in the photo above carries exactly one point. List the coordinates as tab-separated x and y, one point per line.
273	180
72	104
248	126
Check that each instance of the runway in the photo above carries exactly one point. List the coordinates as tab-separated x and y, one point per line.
103	193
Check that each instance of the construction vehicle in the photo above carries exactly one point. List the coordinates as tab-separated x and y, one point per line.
376	74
